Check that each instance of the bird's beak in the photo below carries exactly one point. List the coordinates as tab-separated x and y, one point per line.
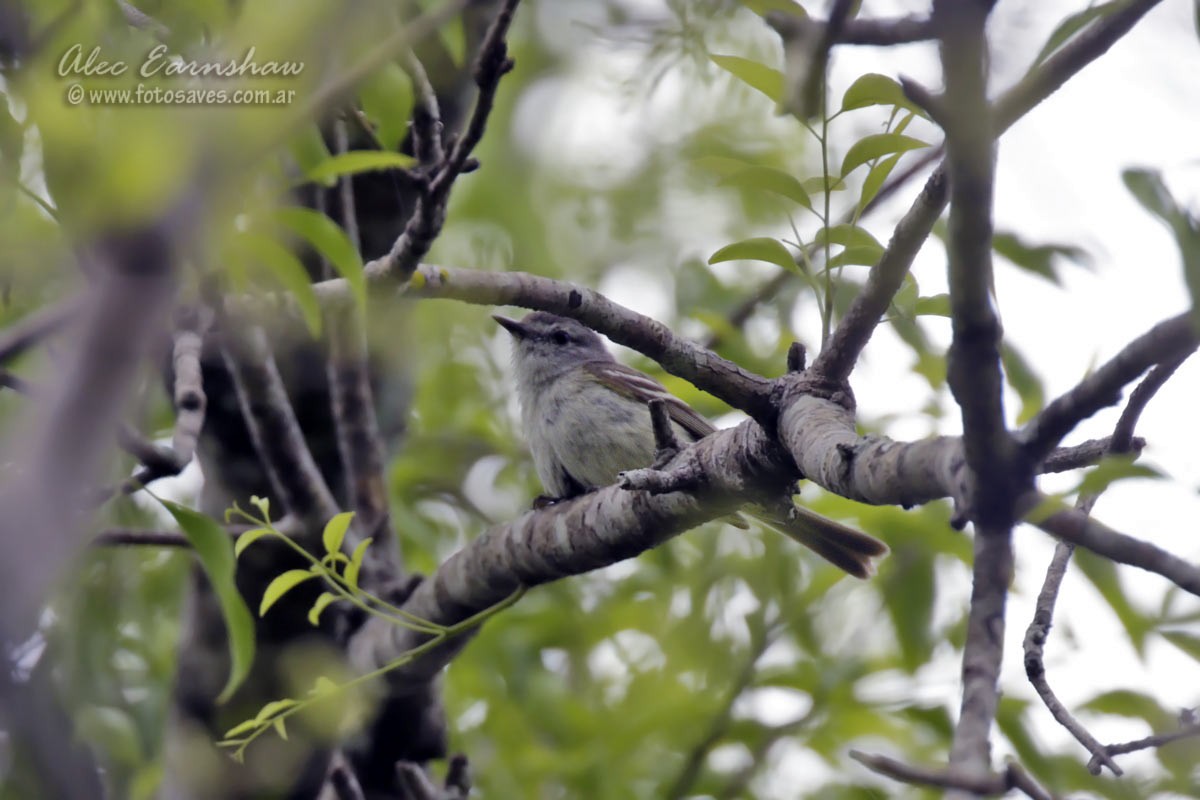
517	330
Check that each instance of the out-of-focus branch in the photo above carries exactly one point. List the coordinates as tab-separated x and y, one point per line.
359	446
294	475
20	336
190	403
874	31
718	726
62	445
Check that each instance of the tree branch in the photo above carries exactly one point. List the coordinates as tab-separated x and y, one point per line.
877	32
850	337
684	358
295	478
30	330
430	211
570	538
988	785
1166	342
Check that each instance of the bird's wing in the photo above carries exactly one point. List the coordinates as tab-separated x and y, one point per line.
641	387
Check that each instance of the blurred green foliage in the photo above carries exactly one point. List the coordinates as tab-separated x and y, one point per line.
723	664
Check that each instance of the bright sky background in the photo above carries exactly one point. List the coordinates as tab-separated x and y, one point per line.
1058	181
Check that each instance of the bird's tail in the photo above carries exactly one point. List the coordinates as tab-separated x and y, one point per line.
842	546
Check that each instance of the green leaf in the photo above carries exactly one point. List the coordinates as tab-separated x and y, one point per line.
866	256
769	179
1070	26
323	686
286	269
1128	703
1147	186
874	89
876	177
1103	575
847	236
272	708
758	249
905	300
215	551
240	728
1187	642
909	583
308	148
758	76
356	161
819	184
387	101
280	729
936	305
328	239
876	145
356	559
1024	381
281	585
12	139
1038	259
114	730
322	602
1114	468
335	531
763	7
248	538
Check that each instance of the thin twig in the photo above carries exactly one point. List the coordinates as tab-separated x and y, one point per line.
430	212
1167	341
1157	740
1038	632
986	785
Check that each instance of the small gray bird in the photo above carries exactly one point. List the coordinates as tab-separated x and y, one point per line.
587	419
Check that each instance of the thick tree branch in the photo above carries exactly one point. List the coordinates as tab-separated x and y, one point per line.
571	538
974	372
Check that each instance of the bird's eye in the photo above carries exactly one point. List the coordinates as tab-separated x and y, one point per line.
560	337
